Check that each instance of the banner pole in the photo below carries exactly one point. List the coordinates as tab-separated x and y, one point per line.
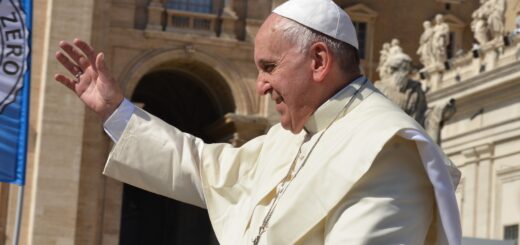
18	222
28	7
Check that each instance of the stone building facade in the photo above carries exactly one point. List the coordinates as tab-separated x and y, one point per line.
191	63
483	137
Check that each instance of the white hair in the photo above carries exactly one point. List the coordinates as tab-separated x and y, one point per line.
304	37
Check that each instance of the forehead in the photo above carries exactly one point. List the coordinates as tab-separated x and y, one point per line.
268	27
268	39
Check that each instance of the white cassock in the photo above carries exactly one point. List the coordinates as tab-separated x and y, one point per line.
367	180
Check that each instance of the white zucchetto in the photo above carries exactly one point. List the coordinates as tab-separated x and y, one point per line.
320	15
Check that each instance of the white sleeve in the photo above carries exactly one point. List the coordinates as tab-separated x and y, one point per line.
159	158
117	121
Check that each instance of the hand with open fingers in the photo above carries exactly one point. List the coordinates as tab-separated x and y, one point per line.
90	78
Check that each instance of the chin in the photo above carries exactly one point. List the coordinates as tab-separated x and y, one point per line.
288	126
285	125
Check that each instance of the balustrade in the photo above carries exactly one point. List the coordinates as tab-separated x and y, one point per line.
161	18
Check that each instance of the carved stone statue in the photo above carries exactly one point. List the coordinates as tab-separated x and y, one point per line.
440	40
517	24
395	47
479	27
425	45
381	69
407	93
436	117
496	18
488	21
402	90
389	50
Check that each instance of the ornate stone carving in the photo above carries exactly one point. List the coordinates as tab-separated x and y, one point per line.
436	117
399	88
440	40
496	18
395	83
388	50
381	69
488	21
395	47
517	24
425	45
479	27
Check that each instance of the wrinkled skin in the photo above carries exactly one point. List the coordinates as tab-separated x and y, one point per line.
282	75
94	86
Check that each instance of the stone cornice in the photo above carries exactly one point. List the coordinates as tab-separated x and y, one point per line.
186	37
475	84
503	131
479	152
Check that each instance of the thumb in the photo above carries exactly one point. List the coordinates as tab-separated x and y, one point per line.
104	74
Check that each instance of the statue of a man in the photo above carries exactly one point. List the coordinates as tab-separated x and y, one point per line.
425	45
395	47
496	18
409	95
517	24
436	117
381	68
440	40
402	90
488	20
479	26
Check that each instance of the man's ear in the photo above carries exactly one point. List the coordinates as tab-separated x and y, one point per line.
321	61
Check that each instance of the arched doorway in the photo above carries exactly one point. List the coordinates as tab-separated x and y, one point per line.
191	104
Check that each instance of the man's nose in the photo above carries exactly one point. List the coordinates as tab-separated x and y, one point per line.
262	86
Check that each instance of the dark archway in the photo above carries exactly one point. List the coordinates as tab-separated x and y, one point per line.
185	102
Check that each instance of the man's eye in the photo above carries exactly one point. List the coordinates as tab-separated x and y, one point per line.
269	67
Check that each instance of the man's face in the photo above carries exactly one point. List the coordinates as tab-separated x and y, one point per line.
283	73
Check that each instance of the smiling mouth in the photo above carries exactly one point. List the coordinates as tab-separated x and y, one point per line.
276	98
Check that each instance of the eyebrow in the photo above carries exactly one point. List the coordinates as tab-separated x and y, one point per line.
264	62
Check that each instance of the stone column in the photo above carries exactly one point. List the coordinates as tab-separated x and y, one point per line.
491	58
229	4
435	79
484	191
155	13
470	193
477	222
229	18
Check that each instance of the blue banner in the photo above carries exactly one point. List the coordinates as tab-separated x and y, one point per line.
15	40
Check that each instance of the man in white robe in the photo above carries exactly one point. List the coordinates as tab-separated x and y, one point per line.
344	166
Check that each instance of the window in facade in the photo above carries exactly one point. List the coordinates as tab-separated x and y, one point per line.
201	6
511	232
361	31
364	19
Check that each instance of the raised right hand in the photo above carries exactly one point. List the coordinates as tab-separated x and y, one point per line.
91	80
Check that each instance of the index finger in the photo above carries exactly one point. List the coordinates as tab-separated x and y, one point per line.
89	51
